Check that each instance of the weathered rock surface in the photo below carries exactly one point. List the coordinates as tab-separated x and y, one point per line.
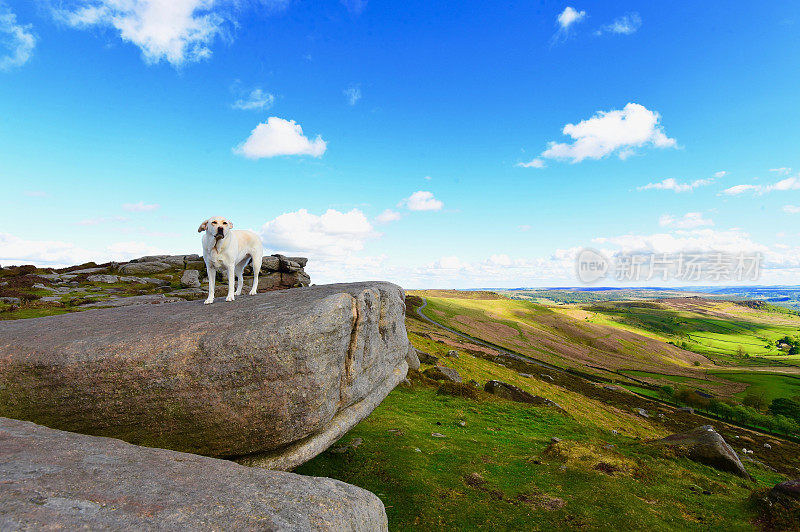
52	479
144	267
271	379
190	279
703	444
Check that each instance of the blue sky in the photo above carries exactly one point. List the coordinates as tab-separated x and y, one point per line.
388	140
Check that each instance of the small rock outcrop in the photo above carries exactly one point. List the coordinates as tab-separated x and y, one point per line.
271	379
427	358
442	373
190	279
279	272
705	445
51	479
514	393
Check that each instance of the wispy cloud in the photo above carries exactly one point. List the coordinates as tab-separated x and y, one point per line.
256	100
791	209
277	137
103	220
353	94
618	132
140	207
36	193
16	40
388	216
533	163
783	170
675	186
790	183
690	220
624	25
355	7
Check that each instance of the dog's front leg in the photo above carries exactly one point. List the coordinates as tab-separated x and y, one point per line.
231	281
212	276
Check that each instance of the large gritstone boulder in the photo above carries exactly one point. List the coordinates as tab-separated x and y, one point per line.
271	379
705	445
51	479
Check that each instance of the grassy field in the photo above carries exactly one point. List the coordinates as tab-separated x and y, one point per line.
495	466
770	385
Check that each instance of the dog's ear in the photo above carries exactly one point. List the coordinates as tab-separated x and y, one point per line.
230	224
203	227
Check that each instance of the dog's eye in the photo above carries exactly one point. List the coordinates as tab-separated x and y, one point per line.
224	223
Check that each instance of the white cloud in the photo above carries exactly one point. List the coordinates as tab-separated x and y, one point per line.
611	132
55	253
421	200
428	178
790	183
624	25
687	241
388	216
36	193
533	163
568	17
524	227
176	31
277	137
125	251
676	186
783	170
690	220
140	207
740	189
353	94
332	234
257	100
721	173
16	41
791	209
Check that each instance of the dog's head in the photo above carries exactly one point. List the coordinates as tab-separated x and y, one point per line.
217	227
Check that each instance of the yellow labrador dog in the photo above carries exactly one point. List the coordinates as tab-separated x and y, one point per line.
224	248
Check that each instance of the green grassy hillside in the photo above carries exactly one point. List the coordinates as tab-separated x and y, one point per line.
443	462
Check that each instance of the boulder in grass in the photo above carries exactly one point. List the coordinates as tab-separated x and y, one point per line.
517	394
52	479
427	358
442	373
705	445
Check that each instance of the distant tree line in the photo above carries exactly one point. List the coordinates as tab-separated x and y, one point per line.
782	415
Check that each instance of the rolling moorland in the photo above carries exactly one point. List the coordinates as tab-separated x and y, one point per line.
614	376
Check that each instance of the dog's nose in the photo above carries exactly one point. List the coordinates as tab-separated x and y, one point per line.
219	230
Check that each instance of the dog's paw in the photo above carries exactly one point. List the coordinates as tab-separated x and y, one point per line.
238	293
208	301
229	298
252	292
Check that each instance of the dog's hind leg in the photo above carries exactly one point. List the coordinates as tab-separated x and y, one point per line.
257	256
240	275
